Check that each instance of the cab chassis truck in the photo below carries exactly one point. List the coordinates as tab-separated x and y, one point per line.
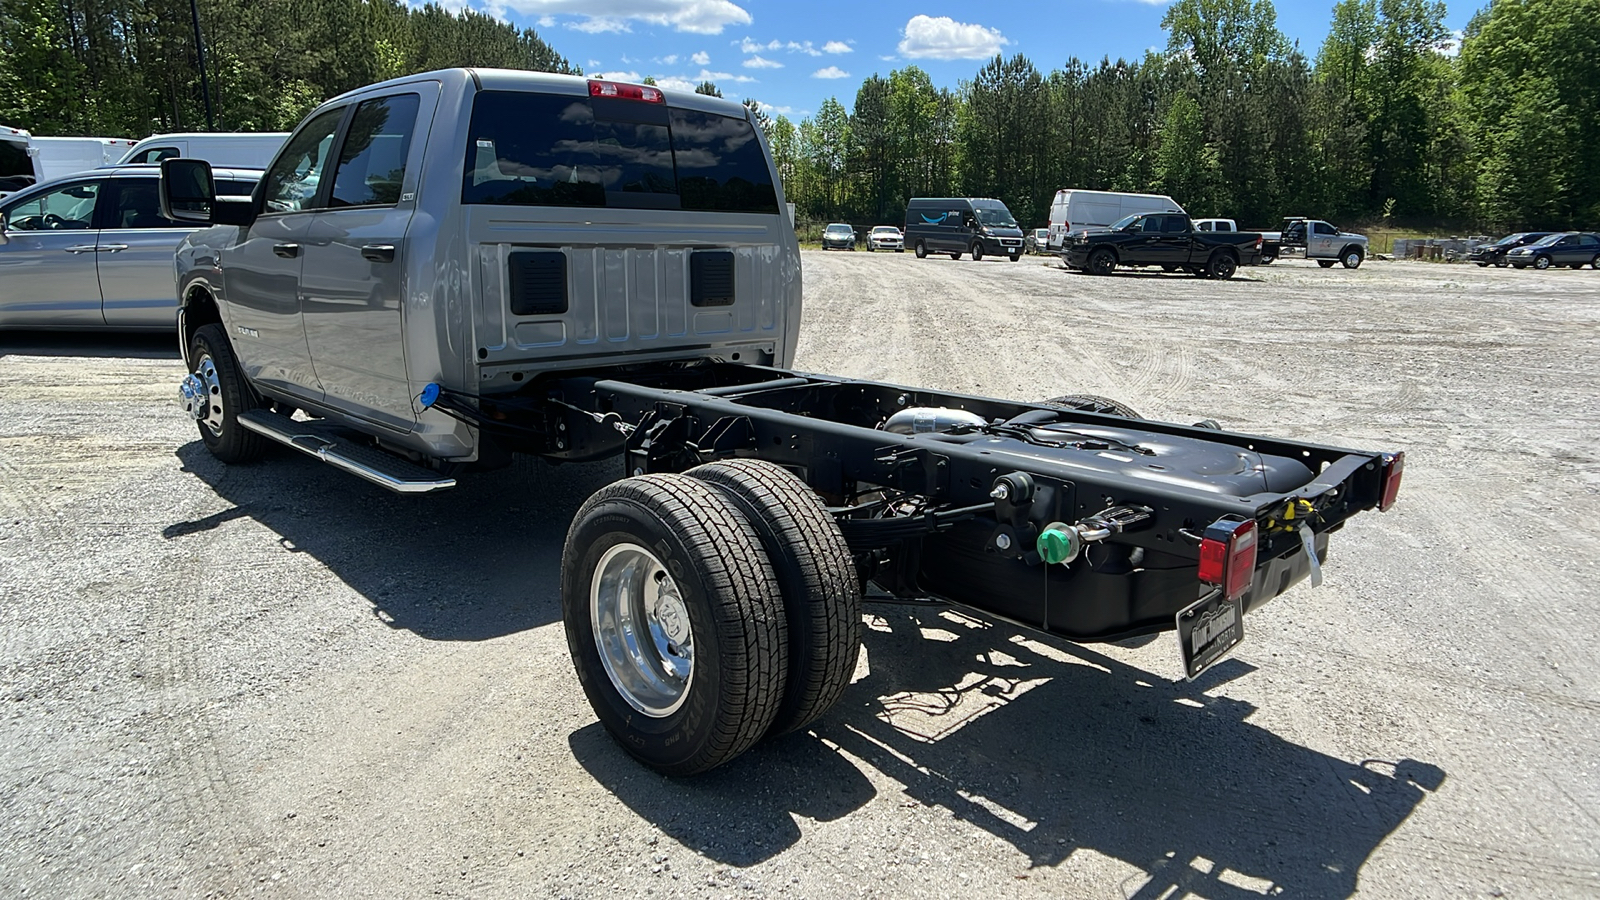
712	595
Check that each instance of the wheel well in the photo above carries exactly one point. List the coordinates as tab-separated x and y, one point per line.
1225	251
199	308
1108	249
1356	247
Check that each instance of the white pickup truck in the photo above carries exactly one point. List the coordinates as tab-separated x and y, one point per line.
1314	239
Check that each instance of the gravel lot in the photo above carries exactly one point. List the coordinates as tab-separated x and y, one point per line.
276	679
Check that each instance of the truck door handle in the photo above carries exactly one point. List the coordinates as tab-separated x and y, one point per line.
80	248
378	252
287	251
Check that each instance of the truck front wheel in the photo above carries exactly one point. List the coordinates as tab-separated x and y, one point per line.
674	620
1352	257
922	250
215	393
1101	262
816	573
977	252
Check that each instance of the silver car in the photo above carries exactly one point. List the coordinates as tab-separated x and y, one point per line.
92	250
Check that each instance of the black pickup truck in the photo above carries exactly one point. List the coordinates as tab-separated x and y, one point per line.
1168	240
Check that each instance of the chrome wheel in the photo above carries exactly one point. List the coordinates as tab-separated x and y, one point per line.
642	630
201	395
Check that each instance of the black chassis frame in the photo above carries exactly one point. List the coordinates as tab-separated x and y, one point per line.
919	511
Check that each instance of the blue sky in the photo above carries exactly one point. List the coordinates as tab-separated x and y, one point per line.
793	55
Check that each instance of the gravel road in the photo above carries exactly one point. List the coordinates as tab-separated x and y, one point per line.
277	680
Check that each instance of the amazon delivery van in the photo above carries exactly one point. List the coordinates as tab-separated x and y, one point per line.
1074	210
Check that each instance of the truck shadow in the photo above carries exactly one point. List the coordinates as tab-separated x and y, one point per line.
1157	274
98	344
479	561
1053	748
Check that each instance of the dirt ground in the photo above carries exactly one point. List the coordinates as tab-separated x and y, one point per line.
277	679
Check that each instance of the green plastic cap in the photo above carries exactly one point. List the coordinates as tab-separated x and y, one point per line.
1058	543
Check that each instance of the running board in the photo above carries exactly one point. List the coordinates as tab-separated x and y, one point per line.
325	443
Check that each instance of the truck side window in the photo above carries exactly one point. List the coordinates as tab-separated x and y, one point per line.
1174	225
154	155
137	205
372	162
291	184
1325	228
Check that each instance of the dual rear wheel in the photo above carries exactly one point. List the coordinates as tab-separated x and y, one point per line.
707	610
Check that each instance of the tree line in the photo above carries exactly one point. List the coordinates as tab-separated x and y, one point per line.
1233	120
130	68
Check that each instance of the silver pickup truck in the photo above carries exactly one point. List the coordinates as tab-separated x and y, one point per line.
442	271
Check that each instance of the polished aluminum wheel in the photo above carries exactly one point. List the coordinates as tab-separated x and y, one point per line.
201	395
641	628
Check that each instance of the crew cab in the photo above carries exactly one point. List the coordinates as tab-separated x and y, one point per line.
1168	240
444	271
1302	238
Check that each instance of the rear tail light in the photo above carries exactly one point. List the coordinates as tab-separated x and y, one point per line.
1228	557
622	91
1394	465
1259	239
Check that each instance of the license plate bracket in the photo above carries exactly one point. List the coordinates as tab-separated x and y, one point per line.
1208	630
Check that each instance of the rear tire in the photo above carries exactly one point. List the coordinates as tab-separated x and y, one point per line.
922	250
1595	263
1222	266
228	395
1095	404
1326	263
955	256
656	565
817	575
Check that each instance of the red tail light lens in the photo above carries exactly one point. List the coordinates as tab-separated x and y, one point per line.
622	91
1259	239
1228	557
1394	466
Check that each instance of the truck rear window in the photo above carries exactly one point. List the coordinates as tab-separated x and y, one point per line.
529	149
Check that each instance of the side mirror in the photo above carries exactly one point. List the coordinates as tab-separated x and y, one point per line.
187	191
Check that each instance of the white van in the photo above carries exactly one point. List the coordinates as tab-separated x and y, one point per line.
16	166
237	150
1076	210
58	157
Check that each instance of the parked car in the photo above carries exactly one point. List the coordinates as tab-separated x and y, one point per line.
1074	210
1038	240
886	237
955	225
93	251
1495	253
838	236
1572	248
1167	240
1215	225
250	150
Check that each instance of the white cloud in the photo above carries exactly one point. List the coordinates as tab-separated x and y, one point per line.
929	37
701	59
675	83
707	75
750	45
592	64
696	16
770	109
668	60
632	77
761	62
830	72
1452	46
837	47
600	25
547	21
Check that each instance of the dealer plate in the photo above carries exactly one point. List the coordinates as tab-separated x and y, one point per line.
1207	630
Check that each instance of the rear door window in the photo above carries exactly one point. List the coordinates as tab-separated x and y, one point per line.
372	162
530	149
136	204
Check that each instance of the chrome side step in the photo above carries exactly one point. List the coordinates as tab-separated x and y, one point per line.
325	443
